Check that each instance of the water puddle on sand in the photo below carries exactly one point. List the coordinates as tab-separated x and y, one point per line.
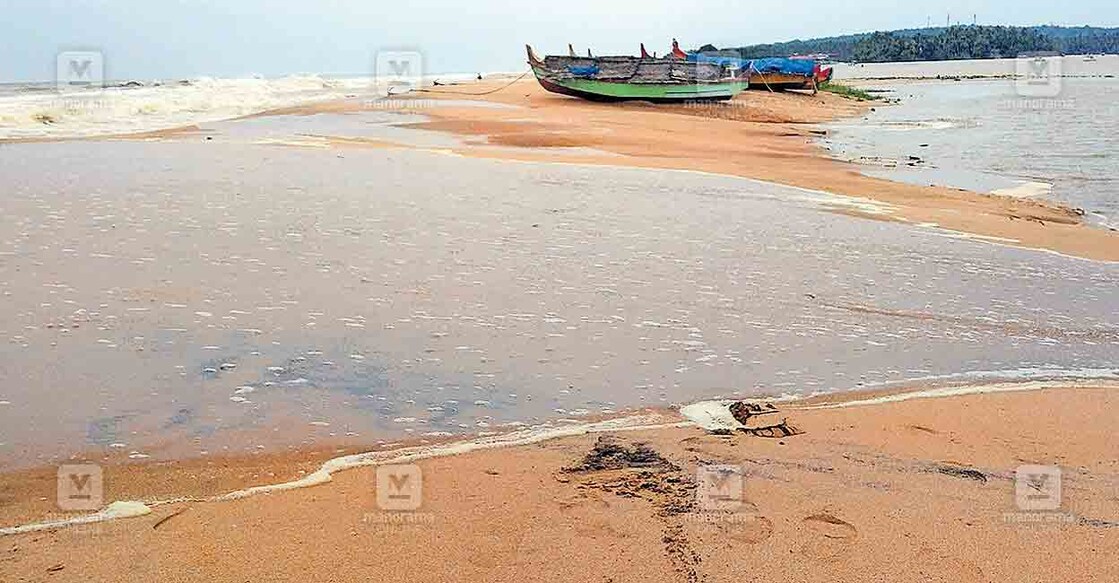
225	298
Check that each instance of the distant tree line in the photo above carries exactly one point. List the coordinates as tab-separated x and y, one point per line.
957	42
939	44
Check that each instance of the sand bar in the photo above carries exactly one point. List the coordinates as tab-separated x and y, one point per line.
757	135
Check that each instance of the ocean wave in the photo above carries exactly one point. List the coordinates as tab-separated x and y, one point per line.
135	107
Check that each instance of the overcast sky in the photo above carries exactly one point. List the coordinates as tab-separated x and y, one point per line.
148	39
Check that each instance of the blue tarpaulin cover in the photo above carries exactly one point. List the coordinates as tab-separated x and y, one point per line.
589	71
802	67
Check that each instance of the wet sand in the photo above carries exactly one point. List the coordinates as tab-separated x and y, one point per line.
758	135
932	480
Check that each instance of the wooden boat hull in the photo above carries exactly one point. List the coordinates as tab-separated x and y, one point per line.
629	78
655	92
779	81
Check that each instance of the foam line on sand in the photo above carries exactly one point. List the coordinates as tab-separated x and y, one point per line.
409	454
711	415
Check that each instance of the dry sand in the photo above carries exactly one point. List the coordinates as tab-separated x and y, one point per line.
758	135
920	490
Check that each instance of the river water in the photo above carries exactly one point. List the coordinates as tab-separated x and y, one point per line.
986	126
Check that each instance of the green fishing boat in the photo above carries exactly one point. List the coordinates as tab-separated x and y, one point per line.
647	78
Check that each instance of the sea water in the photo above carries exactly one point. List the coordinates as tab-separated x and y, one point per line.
992	133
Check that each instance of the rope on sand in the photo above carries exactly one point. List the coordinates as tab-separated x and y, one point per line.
506	86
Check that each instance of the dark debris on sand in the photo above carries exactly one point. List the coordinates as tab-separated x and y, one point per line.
962	472
639	472
744	411
752	415
610	454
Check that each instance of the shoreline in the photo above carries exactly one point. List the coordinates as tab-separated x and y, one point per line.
815	503
760	136
229	477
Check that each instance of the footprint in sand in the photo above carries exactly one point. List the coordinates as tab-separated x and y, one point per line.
828	536
749	530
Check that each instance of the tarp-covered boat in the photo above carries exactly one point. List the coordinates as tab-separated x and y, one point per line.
647	78
776	73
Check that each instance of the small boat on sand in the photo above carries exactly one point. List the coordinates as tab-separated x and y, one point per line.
647	78
791	73
775	73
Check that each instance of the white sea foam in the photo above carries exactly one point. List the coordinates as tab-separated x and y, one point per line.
711	415
412	454
111	512
715	415
967	390
118	110
1026	190
404	455
1025	374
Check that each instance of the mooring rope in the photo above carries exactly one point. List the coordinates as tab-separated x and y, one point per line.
506	86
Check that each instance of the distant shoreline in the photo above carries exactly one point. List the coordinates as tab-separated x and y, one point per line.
940	43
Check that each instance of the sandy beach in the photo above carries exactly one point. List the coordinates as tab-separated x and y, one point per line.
512	293
931	482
